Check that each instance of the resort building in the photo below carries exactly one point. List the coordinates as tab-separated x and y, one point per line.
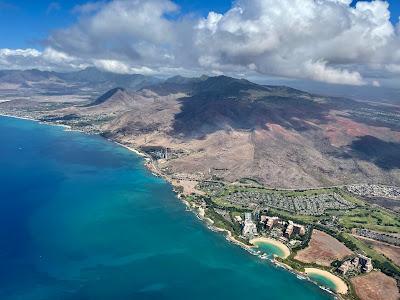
249	228
271	222
294	228
345	267
263	219
299	229
359	263
289	230
365	264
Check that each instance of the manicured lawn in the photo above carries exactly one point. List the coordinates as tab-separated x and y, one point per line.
377	219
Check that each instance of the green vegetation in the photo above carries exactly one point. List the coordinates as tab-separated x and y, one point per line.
219	221
336	222
376	219
363	215
220	202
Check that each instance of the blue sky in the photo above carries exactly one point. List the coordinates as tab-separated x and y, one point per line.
326	41
23	23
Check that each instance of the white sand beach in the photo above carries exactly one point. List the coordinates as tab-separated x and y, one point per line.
273	242
341	286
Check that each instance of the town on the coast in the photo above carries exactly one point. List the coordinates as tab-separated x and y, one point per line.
333	232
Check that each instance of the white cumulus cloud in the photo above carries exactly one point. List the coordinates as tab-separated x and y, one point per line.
322	40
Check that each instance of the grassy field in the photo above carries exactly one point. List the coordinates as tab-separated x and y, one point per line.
377	219
223	203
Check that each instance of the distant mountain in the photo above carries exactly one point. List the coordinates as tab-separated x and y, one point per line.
214	103
176	84
117	92
87	79
17	76
185	80
95	76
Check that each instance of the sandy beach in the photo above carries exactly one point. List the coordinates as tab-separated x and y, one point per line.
341	286
280	245
131	149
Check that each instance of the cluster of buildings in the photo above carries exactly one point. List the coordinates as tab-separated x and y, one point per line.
269	222
359	263
156	152
278	228
289	228
373	190
212	188
311	205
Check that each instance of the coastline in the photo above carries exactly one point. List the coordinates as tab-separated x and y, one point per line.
199	212
341	286
131	149
66	127
285	250
18	117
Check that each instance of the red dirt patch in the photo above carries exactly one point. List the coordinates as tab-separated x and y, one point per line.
375	286
323	250
278	131
341	131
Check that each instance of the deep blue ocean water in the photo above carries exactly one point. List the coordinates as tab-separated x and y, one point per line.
81	218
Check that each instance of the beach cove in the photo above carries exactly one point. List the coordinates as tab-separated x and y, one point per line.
79	219
327	279
271	247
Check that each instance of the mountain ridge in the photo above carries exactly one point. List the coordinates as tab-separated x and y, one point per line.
91	77
232	128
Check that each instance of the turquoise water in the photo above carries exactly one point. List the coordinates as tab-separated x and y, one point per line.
81	218
323	281
269	249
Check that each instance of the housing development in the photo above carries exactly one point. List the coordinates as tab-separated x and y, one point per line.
322	228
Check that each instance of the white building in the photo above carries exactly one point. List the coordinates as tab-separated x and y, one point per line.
249	228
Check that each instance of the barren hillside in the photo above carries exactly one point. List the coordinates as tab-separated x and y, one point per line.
232	128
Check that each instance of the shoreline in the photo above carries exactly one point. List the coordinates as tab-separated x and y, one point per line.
66	127
341	286
141	154
279	245
151	167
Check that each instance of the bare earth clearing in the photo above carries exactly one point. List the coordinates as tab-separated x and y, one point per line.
375	285
322	250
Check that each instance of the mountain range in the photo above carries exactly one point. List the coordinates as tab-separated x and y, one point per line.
89	79
231	129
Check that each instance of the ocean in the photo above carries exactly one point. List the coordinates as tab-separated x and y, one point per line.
82	218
